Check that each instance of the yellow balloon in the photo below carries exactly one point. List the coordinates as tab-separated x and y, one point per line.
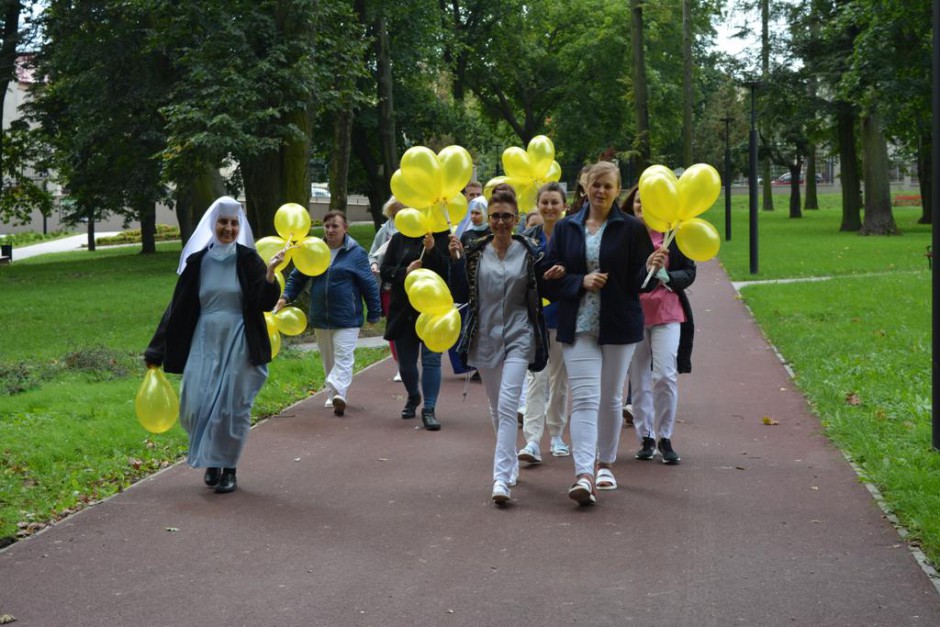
698	239
456	169
493	182
412	223
553	174
516	163
311	256
659	197
271	245
455	209
430	297
525	198
654	223
292	221
442	331
422	274
541	153
290	320
658	169
156	404
422	171
698	188
421	324
406	194
274	336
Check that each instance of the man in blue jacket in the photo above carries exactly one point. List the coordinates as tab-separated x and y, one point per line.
336	311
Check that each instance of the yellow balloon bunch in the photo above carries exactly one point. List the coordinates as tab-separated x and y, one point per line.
432	183
670	206
527	170
310	255
156	404
438	325
286	320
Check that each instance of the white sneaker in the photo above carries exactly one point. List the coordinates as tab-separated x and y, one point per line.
530	453
627	415
397	377
500	493
328	403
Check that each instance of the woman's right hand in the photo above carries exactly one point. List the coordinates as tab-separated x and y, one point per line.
428	241
455	247
595	281
280	303
555	272
414	265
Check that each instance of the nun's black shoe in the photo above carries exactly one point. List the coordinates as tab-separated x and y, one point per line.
227	481
212	477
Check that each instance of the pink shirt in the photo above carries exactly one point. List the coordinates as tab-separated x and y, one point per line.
662	305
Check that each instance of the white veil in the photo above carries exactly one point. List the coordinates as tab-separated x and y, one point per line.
204	233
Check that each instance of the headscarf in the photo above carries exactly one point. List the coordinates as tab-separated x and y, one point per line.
204	233
478	203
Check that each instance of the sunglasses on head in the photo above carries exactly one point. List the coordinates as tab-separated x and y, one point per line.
505	217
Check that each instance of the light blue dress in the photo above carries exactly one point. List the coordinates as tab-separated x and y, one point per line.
219	383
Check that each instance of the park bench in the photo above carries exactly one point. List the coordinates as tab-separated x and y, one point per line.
911	200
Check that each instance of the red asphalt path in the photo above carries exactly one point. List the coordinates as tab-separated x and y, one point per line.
365	520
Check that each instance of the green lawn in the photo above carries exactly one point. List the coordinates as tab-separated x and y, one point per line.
859	344
75	326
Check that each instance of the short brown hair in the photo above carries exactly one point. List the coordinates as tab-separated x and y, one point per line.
335	214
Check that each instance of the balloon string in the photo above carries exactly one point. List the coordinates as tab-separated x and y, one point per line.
666	241
450	227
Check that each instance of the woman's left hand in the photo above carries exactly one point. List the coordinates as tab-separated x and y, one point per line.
555	272
455	247
428	241
657	260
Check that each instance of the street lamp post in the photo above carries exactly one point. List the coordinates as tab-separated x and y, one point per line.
935	215
752	171
727	122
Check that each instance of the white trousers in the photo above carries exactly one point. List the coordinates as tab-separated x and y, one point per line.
547	396
596	373
503	386
654	382
337	352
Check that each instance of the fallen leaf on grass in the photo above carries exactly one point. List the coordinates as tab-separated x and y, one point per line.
767	420
172	529
6	619
852	399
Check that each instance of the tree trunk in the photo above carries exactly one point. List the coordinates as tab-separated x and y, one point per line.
879	219
812	202
767	189
386	109
848	159
795	211
339	160
687	94
360	148
148	228
90	214
925	179
8	53
640	93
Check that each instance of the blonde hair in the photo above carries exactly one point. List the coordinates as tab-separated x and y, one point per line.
389	204
601	168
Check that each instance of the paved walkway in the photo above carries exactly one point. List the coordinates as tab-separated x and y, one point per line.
366	520
61	245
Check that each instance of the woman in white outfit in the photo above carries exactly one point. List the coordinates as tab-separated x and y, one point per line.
594	267
504	335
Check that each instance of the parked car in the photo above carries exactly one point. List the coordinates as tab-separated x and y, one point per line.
784	179
319	193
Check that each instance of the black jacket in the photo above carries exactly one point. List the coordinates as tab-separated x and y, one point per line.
400	253
172	340
625	246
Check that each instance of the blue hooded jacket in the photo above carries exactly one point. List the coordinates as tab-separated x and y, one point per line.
336	295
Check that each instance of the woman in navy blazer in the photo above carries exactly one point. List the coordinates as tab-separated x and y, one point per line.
594	267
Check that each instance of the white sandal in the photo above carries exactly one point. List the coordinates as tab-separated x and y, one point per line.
605	479
582	491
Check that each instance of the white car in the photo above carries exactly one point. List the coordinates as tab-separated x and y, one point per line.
319	193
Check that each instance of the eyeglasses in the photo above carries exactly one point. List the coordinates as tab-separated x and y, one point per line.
505	217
